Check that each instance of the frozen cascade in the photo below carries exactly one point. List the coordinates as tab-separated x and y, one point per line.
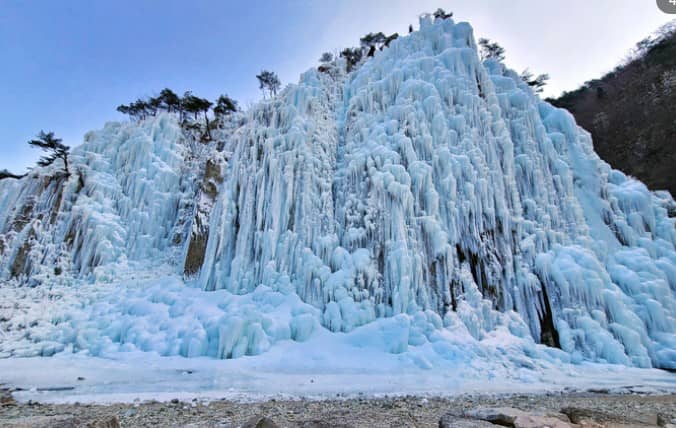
425	192
121	204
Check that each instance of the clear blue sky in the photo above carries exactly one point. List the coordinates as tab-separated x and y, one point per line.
66	64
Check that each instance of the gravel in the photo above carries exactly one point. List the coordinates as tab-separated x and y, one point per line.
606	410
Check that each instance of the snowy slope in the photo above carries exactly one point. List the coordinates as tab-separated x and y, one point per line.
425	204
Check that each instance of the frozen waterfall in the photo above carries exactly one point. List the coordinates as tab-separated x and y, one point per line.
425	187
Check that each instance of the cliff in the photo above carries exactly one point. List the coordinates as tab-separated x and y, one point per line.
423	201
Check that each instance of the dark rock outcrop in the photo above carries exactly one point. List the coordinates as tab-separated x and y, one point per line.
200	233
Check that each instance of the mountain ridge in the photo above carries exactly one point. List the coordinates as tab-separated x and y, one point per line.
627	112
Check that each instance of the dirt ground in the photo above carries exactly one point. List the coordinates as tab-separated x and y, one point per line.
603	409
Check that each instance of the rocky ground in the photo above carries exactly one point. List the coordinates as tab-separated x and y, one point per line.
555	410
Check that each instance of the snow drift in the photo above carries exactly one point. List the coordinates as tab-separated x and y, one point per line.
425	200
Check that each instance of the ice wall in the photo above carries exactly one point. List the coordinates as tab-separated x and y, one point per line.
129	187
426	175
426	186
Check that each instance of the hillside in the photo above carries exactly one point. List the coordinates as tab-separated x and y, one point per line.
423	212
630	114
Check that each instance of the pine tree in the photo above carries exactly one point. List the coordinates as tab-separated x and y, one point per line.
224	106
169	100
270	81
441	14
390	39
154	105
537	83
373	40
139	108
491	50
54	148
203	105
188	104
5	173
124	109
352	57
196	105
326	57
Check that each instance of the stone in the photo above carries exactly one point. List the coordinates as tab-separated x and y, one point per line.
450	420
260	422
322	424
578	415
497	415
665	421
534	421
107	422
511	417
7	400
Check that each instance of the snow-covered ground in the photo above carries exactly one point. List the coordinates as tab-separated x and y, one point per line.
398	355
320	368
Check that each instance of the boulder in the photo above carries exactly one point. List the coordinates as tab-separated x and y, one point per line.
666	421
260	422
511	417
591	418
7	400
450	420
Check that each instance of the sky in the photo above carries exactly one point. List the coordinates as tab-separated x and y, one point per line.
66	65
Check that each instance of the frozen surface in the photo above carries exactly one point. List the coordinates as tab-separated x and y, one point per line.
320	368
130	340
426	212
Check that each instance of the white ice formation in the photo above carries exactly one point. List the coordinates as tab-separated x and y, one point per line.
425	192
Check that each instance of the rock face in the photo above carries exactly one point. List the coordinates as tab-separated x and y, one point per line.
208	191
425	187
630	115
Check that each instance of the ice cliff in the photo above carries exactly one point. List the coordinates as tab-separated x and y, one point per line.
425	192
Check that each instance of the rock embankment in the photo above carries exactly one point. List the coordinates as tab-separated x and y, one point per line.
556	411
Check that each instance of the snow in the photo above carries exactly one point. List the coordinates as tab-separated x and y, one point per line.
320	369
160	339
426	211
